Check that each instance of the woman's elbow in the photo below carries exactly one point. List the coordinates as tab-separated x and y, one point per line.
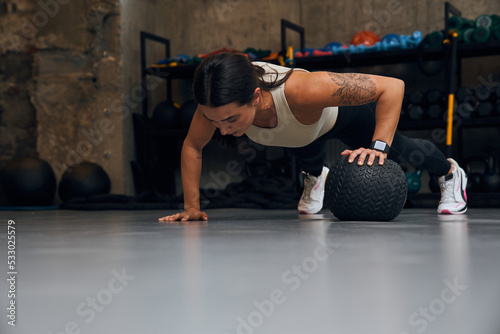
399	86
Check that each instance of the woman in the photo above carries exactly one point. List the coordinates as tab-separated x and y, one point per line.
300	110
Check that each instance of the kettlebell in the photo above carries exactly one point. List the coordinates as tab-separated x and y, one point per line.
490	181
413	181
471	166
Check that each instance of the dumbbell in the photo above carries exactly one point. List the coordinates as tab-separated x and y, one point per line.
466	110
472	165
463	93
490	180
467	102
416	98
485	108
435	111
415	113
484	93
434	99
434	96
486	96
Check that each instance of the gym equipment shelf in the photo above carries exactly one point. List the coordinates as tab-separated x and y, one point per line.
395	56
489	48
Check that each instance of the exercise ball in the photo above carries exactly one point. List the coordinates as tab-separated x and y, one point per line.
375	192
165	115
85	180
391	39
28	181
186	113
365	37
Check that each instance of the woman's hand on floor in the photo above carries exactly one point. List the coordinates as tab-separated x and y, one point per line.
189	214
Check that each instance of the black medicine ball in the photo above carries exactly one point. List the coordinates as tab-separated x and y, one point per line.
375	192
28	181
85	180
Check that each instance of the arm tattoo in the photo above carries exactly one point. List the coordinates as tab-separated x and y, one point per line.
354	89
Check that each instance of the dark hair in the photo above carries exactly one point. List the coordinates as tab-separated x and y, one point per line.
230	77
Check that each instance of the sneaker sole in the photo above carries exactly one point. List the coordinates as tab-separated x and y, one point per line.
460	212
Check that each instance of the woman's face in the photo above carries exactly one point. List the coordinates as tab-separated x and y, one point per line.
232	119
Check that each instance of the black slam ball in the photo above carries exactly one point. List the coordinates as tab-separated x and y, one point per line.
85	180
28	181
165	116
375	192
186	113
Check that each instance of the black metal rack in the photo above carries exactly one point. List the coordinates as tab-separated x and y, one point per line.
328	63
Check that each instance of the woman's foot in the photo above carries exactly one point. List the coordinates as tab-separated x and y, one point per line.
453	195
314	192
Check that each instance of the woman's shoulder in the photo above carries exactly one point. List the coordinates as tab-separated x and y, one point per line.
275	68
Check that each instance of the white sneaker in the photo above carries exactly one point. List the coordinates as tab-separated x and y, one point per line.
453	194
314	192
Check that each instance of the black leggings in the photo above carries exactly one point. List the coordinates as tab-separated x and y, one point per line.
354	127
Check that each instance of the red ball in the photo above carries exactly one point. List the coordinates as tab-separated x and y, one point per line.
365	37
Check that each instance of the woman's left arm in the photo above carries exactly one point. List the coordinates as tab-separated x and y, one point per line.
318	90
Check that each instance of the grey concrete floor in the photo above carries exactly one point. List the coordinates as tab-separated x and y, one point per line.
252	271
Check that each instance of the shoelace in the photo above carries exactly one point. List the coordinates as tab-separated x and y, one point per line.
447	189
308	185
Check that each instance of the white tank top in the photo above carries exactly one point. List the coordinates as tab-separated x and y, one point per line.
289	132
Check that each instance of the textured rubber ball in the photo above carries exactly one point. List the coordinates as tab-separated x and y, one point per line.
376	192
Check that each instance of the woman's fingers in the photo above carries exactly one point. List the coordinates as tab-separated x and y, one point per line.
170	218
346	152
363	154
184	217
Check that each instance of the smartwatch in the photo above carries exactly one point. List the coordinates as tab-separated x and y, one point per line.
381	146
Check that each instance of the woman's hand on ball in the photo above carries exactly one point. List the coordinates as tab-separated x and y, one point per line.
189	214
363	153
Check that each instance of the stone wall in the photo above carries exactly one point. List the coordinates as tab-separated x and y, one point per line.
61	84
17	113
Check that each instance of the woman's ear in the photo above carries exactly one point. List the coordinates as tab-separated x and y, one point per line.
257	96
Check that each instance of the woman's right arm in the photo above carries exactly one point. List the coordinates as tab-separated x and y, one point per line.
200	133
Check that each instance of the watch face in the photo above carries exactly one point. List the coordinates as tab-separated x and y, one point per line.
379	145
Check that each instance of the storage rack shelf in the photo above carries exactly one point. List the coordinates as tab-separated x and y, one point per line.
356	59
438	53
